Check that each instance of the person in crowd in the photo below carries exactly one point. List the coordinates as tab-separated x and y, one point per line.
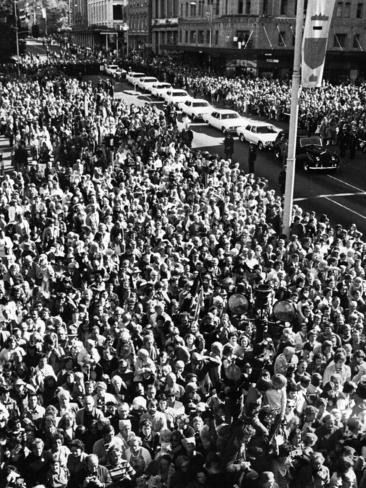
139	342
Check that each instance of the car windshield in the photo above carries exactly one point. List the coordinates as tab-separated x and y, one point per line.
113	66
200	104
310	141
179	94
149	80
230	116
162	86
265	129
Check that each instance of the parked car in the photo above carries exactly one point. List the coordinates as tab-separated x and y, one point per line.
310	152
176	96
225	120
158	89
197	108
146	82
132	76
259	133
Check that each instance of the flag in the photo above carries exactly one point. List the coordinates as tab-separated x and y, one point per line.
44	13
317	25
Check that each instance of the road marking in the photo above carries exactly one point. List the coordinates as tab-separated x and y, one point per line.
330	195
346	208
347	184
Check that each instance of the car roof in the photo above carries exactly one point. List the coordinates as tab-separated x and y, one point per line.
225	111
136	73
199	100
258	123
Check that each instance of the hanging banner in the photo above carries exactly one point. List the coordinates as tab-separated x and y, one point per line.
44	13
316	33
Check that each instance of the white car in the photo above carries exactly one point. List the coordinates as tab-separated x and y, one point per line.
146	82
259	133
176	96
197	108
158	89
114	70
225	120
133	76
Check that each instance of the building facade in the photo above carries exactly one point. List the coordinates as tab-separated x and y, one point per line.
139	23
100	24
164	25
259	35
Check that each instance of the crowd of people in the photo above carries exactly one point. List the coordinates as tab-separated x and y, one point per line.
335	112
156	328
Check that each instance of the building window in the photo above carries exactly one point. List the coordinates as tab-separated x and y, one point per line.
356	42
180	37
244	39
283	8
248	5
193	9
347	10
359	10
340	40
187	9
117	12
182	10
282	39
265	7
339	9
240	7
208	37
200	8
193	38
201	37
216	37
186	37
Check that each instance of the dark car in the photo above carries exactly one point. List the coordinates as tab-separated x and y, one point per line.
310	152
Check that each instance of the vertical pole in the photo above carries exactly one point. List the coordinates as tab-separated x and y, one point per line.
16	35
295	93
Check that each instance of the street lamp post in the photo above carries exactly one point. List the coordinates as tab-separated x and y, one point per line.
125	29
16	35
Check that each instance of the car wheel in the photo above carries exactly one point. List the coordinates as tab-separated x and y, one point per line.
260	146
241	138
306	166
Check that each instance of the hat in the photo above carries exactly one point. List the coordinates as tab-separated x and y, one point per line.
101	384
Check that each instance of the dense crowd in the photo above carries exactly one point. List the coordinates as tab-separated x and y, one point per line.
335	112
157	329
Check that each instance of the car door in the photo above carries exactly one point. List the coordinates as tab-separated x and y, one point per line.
211	119
187	107
253	137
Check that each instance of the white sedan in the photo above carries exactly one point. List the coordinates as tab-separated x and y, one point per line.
176	96
259	133
133	76
146	82
114	70
196	108
158	89
225	120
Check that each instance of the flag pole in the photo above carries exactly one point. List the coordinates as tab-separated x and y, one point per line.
294	116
